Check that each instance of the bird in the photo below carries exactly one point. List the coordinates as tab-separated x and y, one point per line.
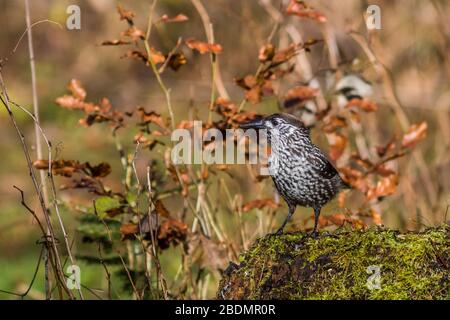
301	172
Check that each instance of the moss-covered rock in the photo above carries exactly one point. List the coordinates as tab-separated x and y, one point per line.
343	265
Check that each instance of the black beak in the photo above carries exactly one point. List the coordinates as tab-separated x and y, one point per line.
253	124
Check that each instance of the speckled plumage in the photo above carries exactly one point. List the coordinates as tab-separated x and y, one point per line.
300	171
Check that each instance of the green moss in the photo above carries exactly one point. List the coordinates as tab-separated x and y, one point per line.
335	266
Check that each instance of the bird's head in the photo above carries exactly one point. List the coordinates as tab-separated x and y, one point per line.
278	124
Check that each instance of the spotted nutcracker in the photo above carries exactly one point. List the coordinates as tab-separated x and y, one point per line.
301	172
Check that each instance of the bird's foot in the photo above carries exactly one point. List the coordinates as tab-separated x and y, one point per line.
279	232
314	234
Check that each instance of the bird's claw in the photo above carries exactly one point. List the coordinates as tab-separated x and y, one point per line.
279	232
314	234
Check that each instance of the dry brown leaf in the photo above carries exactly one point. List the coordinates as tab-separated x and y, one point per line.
144	141
266	52
116	42
301	9
363	163
384	171
363	104
254	88
336	219
286	54
99	171
254	95
267	88
355	178
298	95
376	217
243	116
416	133
136	54
221	167
151	117
157	133
385	187
67	168
338	143
64	168
157	56
161	209
129	229
203	47
134	33
383	150
127	15
249	81
70	102
231	113
185	124
333	123
178	18
171	231
77	89
259	204
176	60
204	172
40	164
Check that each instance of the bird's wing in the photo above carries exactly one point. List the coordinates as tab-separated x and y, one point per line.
321	165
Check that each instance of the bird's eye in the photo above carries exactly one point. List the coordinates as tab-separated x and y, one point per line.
275	122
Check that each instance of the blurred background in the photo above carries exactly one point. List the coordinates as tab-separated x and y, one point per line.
413	45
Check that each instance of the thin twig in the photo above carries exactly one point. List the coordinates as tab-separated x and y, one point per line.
36	270
22	201
144	248
52	183
217	75
394	102
37	133
153	65
58	267
108	274
159	275
31	26
167	95
169	56
136	293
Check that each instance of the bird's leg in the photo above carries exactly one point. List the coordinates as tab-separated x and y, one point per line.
291	212
316	221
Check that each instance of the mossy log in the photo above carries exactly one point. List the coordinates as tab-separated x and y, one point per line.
376	263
